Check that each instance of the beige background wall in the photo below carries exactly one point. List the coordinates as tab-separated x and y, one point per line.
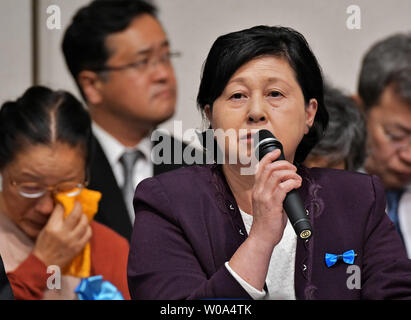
192	26
15	48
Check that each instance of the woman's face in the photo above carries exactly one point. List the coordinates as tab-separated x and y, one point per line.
45	166
263	94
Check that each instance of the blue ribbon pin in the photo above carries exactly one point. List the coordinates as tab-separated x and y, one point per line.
348	257
94	288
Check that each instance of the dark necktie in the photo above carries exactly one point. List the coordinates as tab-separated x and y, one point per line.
393	199
128	160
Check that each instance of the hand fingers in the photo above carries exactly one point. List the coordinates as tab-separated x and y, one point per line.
268	170
267	160
74	217
275	178
57	216
277	186
285	187
87	235
78	231
82	238
270	157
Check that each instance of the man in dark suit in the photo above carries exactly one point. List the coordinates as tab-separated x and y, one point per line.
120	58
384	92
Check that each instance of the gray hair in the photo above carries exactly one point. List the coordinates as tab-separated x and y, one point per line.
344	139
401	82
381	63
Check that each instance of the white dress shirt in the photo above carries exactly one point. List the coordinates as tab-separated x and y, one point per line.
404	216
113	149
280	275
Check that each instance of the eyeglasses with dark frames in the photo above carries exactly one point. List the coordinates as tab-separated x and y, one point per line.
143	65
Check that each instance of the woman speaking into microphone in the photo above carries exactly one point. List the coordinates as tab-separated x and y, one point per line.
212	231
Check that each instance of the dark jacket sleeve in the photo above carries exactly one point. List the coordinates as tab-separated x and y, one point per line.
5	289
162	263
386	269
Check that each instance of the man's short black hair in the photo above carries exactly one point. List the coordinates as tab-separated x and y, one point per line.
84	40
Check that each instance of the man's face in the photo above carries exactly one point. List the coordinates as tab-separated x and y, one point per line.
389	146
144	92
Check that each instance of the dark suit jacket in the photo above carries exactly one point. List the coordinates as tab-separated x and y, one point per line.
188	225
5	289
112	210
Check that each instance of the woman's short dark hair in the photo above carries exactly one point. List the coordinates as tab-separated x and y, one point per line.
42	117
229	52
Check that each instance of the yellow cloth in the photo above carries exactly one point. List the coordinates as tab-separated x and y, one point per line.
81	265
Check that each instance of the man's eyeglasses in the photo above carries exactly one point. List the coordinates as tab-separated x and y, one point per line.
33	190
143	65
399	140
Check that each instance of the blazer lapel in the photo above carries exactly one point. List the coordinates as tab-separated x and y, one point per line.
112	209
304	251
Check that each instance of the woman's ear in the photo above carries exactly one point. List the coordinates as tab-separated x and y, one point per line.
208	112
90	84
310	112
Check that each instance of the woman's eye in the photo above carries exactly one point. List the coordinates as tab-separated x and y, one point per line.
237	96
275	94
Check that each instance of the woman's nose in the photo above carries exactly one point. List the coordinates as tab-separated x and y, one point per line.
256	112
45	204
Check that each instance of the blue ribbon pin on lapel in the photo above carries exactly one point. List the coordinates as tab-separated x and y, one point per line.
348	257
95	288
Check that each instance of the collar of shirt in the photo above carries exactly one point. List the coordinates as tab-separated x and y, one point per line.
113	149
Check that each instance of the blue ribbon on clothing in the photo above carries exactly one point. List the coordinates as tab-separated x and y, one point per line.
94	288
348	257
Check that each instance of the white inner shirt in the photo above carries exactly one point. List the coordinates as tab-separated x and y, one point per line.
280	275
113	149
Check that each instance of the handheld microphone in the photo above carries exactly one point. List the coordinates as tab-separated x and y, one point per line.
264	143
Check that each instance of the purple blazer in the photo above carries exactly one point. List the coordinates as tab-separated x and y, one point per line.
188	225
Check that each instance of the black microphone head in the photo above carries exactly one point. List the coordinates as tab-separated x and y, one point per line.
265	142
264	134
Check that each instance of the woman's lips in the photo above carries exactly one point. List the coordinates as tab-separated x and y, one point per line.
247	137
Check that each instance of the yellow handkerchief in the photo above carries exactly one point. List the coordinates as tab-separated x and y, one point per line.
81	265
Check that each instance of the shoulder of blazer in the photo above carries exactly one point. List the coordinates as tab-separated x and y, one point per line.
172	152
